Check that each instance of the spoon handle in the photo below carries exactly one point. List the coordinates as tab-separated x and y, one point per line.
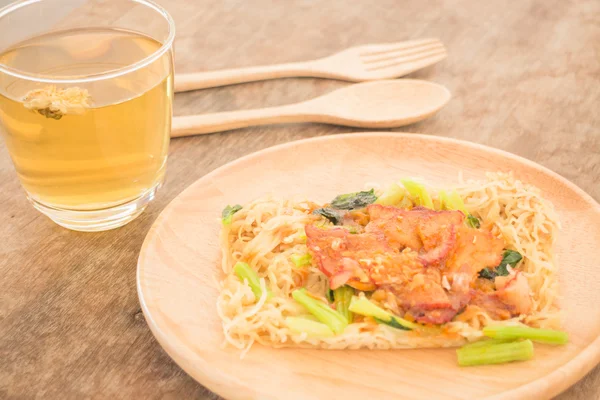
201	80
223	121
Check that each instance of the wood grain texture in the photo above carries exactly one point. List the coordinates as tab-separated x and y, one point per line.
524	78
179	266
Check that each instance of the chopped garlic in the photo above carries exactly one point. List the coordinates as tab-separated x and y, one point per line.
445	283
336	244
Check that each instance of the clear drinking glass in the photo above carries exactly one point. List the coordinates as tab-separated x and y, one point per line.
86	90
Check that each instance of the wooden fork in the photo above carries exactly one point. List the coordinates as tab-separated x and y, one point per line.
356	64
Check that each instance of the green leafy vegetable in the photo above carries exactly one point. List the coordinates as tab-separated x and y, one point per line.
334	320
495	353
228	212
342	297
362	306
418	192
301	260
329	295
502	270
311	328
488	273
352	201
524	332
332	215
510	257
392	196
246	273
473	221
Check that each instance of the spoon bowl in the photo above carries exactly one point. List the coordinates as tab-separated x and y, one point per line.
382	104
379	104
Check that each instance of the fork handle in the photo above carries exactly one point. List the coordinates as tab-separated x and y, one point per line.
224	121
201	80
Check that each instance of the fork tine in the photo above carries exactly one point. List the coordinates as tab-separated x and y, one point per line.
421	60
392	55
384	48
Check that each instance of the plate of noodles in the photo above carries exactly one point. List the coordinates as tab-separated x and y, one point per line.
377	265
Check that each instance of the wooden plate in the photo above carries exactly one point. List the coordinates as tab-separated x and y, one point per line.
179	265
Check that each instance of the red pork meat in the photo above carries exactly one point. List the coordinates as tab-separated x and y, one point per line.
427	259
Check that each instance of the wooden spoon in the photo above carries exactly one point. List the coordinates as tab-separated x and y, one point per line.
380	104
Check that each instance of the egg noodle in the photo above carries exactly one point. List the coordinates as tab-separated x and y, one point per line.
267	232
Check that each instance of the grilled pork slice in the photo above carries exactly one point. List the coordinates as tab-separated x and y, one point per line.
345	257
474	250
510	299
431	233
427	259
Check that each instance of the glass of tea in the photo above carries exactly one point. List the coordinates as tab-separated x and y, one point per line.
86	90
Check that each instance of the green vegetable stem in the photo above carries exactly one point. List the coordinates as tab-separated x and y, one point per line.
342	297
418	192
362	306
245	273
334	320
548	336
485	342
453	201
495	353
393	195
301	260
311	328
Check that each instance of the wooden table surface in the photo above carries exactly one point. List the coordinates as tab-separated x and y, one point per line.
525	77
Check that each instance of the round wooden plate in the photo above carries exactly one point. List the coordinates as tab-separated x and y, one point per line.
179	266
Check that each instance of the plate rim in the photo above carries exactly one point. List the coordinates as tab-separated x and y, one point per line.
576	368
